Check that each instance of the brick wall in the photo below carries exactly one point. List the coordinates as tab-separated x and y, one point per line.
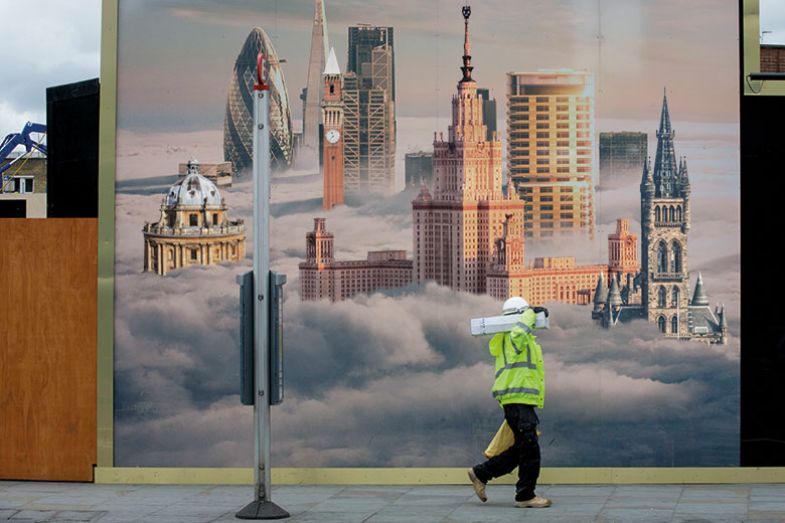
772	58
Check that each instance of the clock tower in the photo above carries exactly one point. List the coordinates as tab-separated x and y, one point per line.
332	143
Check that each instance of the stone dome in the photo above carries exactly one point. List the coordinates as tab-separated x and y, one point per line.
193	190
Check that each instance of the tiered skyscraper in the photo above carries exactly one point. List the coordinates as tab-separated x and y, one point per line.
312	96
550	141
369	105
660	293
455	225
238	122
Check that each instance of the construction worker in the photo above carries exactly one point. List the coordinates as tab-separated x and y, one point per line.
519	387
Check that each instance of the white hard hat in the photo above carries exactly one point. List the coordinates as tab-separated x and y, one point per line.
514	305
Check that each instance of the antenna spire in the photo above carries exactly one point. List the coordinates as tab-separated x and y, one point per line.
467	56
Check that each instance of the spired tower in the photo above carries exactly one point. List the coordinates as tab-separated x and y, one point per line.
456	222
332	111
313	93
665	221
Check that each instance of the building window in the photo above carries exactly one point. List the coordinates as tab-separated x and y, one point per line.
674	325
23	185
215	218
661	297
675	296
657	215
194	255
662	257
661	323
193	220
676	257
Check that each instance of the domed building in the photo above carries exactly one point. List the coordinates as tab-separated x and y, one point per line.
193	228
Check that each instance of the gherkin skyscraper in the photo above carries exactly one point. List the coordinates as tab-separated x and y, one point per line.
238	122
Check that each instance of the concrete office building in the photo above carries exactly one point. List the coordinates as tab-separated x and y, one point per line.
418	168
622	155
488	113
369	110
550	149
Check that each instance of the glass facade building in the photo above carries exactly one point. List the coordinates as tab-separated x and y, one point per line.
238	122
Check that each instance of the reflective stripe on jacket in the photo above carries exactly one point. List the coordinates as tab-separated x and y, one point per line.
520	377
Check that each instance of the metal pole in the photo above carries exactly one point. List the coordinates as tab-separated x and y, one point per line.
261	269
262	507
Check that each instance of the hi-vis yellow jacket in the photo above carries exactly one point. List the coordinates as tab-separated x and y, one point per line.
520	377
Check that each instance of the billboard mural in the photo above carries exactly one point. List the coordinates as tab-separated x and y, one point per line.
431	161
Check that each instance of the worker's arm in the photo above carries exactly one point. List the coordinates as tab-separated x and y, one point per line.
495	345
523	330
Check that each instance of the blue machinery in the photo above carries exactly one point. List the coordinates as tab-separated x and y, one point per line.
11	141
261	299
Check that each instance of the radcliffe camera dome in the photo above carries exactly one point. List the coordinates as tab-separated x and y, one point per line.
238	122
193	190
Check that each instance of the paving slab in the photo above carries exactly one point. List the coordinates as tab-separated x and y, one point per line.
68	502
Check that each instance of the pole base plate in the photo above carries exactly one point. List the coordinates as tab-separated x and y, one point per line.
262	510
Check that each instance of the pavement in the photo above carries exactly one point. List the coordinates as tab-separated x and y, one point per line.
70	502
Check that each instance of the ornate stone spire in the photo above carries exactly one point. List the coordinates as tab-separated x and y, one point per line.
614	295
467	55
665	170
700	297
600	293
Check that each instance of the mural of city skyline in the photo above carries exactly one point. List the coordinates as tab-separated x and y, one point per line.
384	304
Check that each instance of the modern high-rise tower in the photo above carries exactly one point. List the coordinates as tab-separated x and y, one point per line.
369	104
456	222
238	122
488	112
312	99
550	149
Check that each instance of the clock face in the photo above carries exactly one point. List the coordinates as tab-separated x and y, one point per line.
333	135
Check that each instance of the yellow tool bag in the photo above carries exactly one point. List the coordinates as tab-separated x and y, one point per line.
503	440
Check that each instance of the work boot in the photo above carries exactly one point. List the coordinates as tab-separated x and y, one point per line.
535	502
479	486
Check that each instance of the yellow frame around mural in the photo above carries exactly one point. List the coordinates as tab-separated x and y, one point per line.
106	472
751	59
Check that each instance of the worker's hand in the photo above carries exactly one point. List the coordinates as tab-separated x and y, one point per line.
538	310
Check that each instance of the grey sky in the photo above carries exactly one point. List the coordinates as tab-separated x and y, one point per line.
176	56
45	43
772	18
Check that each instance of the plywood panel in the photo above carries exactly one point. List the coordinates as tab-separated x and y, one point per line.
48	277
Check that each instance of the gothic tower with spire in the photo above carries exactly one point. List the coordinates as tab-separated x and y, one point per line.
665	222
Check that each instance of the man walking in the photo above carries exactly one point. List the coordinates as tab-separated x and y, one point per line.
519	387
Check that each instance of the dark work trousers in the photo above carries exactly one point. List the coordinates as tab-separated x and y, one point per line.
524	454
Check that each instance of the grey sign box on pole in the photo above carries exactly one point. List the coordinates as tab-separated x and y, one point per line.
246	338
247	374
